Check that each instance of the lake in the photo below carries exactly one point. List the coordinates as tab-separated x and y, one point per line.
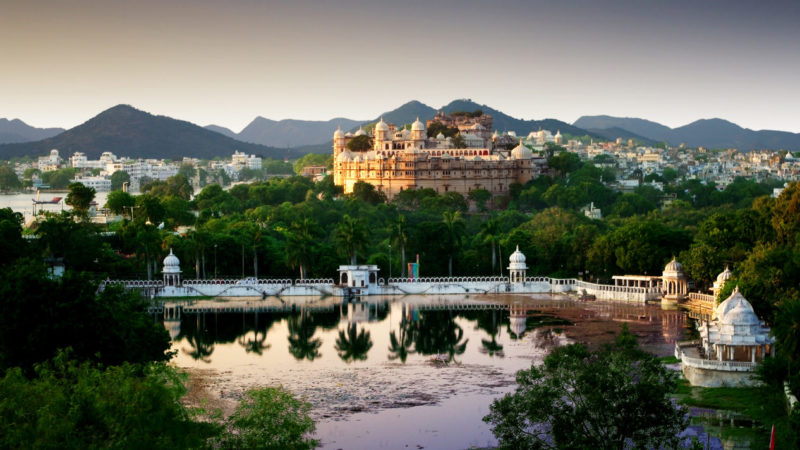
22	203
397	372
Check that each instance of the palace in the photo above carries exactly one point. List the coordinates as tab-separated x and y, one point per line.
400	159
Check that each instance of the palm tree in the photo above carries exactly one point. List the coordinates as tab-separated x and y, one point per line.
300	244
257	344
787	330
399	232
454	230
354	345
492	328
302	344
351	236
490	232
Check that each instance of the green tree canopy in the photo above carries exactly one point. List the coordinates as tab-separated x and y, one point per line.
119	178
80	197
612	398
360	143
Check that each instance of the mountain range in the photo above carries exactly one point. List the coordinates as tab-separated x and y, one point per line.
15	130
711	133
127	131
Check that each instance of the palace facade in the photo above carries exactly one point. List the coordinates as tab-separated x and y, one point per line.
400	159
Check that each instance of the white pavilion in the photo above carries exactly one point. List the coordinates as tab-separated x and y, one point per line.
731	346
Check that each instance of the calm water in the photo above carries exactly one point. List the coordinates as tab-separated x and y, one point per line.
416	371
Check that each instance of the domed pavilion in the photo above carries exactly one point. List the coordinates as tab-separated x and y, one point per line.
731	345
674	282
172	270
517	267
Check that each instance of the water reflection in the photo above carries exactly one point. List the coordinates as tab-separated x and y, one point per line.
352	344
414	327
302	343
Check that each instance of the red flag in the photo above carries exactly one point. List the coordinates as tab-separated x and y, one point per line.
772	438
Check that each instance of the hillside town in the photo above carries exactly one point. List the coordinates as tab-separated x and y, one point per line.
633	163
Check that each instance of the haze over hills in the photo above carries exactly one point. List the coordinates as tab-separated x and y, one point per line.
712	133
127	131
15	130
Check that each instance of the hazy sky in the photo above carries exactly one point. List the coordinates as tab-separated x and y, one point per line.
62	62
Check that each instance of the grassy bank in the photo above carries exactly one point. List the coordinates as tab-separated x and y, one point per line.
764	404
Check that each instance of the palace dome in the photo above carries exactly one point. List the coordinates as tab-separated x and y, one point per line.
360	132
724	276
517	257
730	303
345	156
417	125
440	136
171	263
521	152
742	314
338	133
558	133
673	266
381	126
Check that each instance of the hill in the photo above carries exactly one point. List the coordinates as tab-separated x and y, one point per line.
611	134
712	133
291	132
407	113
127	131
504	122
15	130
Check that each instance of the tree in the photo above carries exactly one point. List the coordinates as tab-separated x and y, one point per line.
454	230
301	241
119	202
80	405
351	236
360	143
8	179
80	197
613	398
480	197
367	193
399	233
270	418
787	329
490	234
119	178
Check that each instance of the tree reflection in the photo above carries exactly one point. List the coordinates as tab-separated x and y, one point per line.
353	345
438	334
201	342
201	346
257	344
302	344
488	322
401	347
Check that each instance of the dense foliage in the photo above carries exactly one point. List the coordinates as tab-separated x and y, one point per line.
614	398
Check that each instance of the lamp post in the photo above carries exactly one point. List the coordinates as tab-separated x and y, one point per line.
131	208
390	261
215	261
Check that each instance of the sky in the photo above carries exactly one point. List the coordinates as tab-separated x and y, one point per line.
224	63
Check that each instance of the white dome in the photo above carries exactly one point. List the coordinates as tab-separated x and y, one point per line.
673	266
360	132
345	156
724	276
742	314
417	125
558	133
517	257
521	152
338	133
381	126
440	136
730	303
171	263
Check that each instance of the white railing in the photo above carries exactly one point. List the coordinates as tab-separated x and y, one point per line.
135	283
703	298
450	280
314	281
613	288
712	364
